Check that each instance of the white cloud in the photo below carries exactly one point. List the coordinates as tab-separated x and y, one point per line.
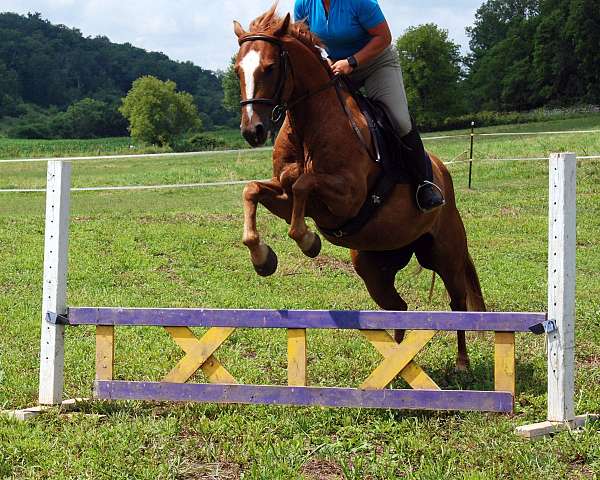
201	30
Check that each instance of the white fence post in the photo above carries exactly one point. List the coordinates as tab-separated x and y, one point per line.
561	286
562	230
55	282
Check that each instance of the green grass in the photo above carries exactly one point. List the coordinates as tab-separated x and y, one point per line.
182	248
17	148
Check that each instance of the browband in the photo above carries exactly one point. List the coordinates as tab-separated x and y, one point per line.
258	36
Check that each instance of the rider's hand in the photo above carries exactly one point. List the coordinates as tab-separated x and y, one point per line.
342	67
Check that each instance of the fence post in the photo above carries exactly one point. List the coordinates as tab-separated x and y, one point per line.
562	228
561	286
471	154
55	282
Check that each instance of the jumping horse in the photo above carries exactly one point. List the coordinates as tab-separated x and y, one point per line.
322	169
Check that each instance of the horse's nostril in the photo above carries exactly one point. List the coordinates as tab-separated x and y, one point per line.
260	130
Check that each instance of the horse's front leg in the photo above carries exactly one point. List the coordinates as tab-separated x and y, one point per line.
276	200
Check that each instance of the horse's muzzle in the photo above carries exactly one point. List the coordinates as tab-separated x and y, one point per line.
255	134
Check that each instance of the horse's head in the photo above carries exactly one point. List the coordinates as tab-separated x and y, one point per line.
262	67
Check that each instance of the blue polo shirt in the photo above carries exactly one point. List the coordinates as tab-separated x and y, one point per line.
344	31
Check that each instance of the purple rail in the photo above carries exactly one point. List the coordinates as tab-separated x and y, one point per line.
318	319
463	400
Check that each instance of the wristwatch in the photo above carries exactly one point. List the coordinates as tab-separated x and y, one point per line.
352	61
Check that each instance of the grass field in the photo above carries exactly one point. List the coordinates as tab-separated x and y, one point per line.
182	248
16	148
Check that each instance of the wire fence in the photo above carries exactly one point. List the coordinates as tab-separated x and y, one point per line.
511	134
266	149
179	186
138	156
471	160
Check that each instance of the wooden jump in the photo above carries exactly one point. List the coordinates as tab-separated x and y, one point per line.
398	359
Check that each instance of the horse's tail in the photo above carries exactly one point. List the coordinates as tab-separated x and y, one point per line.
475	301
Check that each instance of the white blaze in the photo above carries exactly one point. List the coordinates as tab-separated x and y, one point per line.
249	64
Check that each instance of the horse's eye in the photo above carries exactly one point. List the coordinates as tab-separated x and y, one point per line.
269	69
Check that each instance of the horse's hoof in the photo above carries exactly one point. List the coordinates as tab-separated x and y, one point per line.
314	249
270	266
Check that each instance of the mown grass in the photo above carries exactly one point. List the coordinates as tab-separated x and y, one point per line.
249	164
17	148
182	248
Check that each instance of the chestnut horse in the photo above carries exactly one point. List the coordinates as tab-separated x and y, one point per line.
322	170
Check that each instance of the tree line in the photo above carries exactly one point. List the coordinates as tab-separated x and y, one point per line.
524	54
52	77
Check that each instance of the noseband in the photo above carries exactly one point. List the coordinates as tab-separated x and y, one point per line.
279	107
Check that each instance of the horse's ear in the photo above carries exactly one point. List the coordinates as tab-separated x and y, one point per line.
282	29
238	29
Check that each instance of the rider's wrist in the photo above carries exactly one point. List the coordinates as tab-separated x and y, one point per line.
352	61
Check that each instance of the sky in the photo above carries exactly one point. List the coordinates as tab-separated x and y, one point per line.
201	30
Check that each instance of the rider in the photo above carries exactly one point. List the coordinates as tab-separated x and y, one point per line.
358	42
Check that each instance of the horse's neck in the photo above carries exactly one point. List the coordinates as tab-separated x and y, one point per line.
316	119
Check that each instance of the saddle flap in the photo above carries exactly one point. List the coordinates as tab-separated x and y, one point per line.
386	141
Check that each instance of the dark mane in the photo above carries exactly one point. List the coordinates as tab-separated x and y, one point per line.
270	20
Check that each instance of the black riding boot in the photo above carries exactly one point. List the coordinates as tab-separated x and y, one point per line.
429	196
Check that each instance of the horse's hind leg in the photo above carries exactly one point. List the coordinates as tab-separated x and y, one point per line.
449	261
378	271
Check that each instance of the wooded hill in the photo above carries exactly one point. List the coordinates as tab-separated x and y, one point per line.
53	66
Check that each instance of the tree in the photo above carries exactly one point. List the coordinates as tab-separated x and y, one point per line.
583	27
89	118
493	20
431	67
9	91
157	113
529	53
231	89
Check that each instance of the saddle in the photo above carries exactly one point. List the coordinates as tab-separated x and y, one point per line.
388	153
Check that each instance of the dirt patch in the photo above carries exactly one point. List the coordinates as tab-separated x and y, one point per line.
250	354
211	471
224	217
585	244
178	218
169	272
509	212
579	469
592	362
325	262
316	469
82	219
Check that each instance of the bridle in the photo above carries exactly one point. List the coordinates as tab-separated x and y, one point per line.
280	106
